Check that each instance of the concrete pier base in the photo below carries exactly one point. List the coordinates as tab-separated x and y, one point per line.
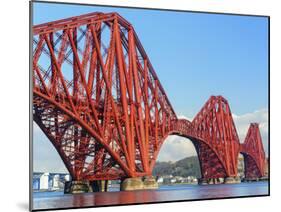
211	181
232	180
99	185
138	183
150	182
76	187
221	180
218	180
131	184
214	181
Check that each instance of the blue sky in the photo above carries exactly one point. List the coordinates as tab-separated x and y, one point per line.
195	55
204	54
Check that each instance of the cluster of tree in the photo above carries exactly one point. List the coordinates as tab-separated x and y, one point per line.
186	167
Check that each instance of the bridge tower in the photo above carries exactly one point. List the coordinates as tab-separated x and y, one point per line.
253	152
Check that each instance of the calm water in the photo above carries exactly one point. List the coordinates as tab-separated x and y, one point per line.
43	200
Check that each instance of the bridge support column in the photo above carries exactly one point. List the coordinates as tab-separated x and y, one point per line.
231	180
150	182
218	180
203	181
99	185
138	183
210	181
76	187
131	184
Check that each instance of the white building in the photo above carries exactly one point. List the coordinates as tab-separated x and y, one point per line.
56	181
44	181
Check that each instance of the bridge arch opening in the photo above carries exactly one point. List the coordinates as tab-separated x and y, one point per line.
177	161
209	168
251	170
46	157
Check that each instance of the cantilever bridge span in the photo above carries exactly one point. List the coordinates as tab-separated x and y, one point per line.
99	101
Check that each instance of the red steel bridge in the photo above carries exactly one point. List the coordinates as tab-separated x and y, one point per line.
99	101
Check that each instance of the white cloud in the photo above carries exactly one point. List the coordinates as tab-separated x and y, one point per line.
176	148
184	117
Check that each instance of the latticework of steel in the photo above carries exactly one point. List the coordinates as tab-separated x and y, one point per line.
99	101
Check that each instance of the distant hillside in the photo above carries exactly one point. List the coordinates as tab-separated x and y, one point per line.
186	167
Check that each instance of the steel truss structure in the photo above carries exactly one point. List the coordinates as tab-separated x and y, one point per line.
99	101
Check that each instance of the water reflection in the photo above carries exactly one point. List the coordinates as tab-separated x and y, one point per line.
164	193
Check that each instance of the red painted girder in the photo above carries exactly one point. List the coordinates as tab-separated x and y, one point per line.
116	105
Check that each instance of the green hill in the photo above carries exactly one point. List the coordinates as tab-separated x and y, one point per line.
186	167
